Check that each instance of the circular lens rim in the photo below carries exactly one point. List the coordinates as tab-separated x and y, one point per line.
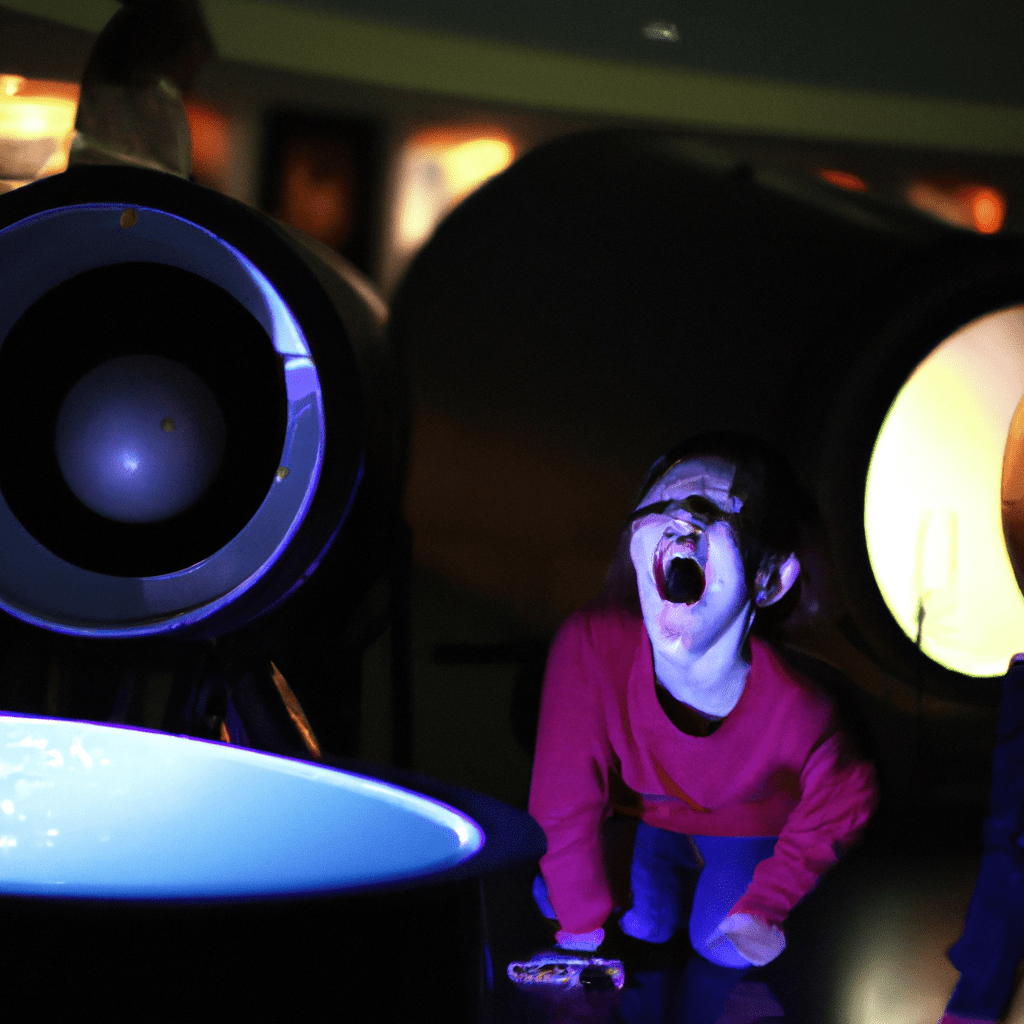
871	353
41	250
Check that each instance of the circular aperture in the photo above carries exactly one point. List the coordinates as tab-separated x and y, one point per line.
148	365
932	510
139	439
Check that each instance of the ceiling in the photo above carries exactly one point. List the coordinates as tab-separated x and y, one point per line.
938	48
930	73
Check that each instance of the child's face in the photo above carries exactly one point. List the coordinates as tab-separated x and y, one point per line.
693	589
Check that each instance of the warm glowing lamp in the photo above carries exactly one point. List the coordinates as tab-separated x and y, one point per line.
439	168
843	179
978	207
988	208
471	163
931	509
37	122
211	139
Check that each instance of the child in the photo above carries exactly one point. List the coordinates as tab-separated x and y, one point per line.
667	710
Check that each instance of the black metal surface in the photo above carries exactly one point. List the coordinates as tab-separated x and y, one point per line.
413	951
349	381
634	288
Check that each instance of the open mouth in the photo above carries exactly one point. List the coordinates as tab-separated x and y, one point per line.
677	572
684	581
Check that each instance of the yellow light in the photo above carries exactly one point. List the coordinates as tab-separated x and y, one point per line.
469	165
37	117
932	511
37	120
439	168
882	995
11	85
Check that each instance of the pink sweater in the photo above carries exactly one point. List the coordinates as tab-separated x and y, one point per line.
778	765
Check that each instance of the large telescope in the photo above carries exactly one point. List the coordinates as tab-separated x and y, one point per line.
618	290
183	381
204	451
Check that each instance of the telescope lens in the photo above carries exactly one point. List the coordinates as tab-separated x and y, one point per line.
139	439
142	418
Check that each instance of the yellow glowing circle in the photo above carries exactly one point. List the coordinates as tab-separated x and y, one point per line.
932	514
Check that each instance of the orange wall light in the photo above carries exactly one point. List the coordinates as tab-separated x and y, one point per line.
843	179
211	140
968	205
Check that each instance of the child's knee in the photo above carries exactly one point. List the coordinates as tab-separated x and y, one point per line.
650	924
722	952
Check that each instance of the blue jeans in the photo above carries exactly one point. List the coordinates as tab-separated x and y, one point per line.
992	945
661	878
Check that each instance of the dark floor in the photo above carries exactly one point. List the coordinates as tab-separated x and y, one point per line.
867	947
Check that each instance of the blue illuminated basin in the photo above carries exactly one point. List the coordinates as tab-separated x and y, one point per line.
105	812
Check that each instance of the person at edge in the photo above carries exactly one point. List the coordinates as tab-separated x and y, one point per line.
989	951
659	704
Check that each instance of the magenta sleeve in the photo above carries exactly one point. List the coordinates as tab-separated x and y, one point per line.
569	789
838	794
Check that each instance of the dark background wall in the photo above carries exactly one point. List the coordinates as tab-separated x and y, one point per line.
502	549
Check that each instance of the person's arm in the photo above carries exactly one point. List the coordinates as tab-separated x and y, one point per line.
838	794
569	790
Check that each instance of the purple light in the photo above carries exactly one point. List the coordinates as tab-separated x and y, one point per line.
36	586
139	438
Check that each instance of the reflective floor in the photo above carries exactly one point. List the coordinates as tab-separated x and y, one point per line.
867	947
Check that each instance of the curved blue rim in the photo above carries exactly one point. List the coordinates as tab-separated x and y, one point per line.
46	248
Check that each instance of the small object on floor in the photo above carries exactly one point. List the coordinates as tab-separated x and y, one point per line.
567	970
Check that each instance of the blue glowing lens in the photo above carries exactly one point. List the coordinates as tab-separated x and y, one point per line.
170	466
101	811
139	439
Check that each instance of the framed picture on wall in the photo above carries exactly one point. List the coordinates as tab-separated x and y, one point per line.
322	175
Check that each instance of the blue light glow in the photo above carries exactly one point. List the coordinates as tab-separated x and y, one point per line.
106	812
40	252
139	438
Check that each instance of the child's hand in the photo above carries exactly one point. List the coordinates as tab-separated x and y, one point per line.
582	941
757	941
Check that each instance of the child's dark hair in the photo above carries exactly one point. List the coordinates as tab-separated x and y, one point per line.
768	521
